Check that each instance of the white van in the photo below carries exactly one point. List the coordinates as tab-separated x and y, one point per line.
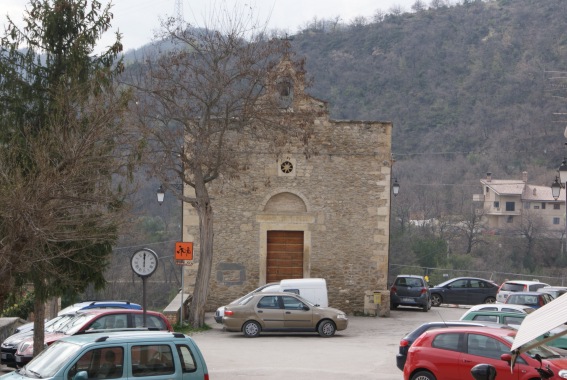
312	289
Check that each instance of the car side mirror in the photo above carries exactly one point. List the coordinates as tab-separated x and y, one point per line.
483	372
81	375
305	307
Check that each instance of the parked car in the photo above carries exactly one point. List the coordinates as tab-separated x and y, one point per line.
524	309
503	317
555	291
10	345
83	306
533	299
138	354
312	289
450	354
464	291
509	287
94	320
410	290
515	320
283	312
408	340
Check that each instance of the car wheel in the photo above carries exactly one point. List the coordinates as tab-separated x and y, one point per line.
423	375
436	300
326	328
251	329
490	300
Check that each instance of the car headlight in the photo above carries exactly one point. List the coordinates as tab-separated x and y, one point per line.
342	316
562	374
25	348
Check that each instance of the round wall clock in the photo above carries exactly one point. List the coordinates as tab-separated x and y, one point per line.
144	262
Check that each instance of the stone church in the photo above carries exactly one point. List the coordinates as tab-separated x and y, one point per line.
326	215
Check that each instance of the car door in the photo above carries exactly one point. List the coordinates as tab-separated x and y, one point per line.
478	291
99	363
297	315
457	292
487	350
268	311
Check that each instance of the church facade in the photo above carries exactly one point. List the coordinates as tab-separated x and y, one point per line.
291	216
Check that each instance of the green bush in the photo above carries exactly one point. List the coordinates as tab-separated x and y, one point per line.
21	307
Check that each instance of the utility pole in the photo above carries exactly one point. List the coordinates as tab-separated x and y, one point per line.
178	12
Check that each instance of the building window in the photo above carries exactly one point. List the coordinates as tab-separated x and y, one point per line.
542	206
556	220
527	205
510	206
486	189
535	207
556	206
496	204
510	219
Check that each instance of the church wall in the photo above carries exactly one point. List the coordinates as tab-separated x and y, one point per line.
345	189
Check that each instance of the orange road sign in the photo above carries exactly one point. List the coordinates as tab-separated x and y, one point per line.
183	251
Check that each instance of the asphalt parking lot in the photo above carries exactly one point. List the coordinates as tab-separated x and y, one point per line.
365	350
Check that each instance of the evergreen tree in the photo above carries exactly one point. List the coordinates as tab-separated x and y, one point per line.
61	129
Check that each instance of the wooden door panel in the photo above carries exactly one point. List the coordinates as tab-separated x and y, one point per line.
285	255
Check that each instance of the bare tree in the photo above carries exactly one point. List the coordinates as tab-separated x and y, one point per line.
419	6
470	228
202	106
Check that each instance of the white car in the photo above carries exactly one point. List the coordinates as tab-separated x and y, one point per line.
517	286
523	309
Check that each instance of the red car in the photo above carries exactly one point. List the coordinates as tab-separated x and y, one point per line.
95	320
450	354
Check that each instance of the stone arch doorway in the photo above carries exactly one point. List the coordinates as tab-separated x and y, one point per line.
285	237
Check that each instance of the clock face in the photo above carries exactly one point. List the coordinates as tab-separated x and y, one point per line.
144	262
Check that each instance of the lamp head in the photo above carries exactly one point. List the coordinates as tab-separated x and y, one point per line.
395	187
160	194
555	188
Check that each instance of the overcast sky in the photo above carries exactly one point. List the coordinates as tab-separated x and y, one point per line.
138	19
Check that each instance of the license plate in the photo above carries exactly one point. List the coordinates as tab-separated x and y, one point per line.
408	300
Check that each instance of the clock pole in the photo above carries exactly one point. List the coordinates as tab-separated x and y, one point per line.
144	263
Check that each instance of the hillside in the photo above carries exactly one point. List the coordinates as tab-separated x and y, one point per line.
470	83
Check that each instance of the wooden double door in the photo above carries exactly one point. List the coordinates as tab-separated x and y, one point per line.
284	255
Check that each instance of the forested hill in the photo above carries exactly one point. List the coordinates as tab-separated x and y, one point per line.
475	81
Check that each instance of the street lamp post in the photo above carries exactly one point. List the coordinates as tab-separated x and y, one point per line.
160	197
395	191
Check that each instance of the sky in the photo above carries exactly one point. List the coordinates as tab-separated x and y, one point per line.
137	20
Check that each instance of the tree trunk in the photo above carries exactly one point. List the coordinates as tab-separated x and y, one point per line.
38	325
201	291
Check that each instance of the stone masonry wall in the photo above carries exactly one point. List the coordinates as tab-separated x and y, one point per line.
346	191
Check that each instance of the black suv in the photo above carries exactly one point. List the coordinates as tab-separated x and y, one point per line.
410	290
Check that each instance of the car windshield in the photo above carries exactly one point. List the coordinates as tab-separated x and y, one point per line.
544	351
75	324
512	287
238	300
59	322
245	300
49	361
304	300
